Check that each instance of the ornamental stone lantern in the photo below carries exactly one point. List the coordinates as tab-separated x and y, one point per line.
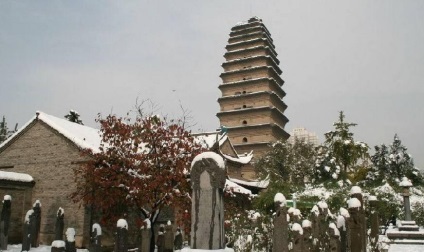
406	184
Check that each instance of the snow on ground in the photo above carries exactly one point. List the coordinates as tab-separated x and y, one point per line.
41	248
406	248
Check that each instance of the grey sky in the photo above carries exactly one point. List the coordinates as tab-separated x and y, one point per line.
363	57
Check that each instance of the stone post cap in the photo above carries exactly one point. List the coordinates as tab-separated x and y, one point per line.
353	203
372	198
279	198
405	182
355	190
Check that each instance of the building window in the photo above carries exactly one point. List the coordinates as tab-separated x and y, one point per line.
244	139
244	122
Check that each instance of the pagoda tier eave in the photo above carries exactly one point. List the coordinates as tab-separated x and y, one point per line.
259	93
272	52
246	30
274	126
255	109
232	38
250	41
244	70
242	60
243	82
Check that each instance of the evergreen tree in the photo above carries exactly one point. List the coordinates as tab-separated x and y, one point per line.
3	130
73	116
288	163
392	163
5	133
400	162
379	171
340	153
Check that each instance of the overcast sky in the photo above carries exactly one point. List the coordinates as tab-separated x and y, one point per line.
363	57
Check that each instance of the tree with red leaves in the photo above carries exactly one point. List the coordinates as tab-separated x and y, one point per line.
141	166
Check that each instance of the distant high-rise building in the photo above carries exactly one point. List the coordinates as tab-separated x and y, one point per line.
301	134
251	106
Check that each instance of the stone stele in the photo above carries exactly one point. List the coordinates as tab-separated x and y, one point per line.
207	211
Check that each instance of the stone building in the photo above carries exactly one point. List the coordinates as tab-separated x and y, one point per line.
36	163
251	105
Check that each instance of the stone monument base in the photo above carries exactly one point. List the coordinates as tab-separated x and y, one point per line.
406	230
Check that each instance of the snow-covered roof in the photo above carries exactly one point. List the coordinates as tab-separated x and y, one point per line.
83	136
15	176
258	183
209	140
233	187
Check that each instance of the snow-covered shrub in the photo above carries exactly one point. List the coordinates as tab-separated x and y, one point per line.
418	213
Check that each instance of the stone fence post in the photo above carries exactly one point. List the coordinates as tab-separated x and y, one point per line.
307	235
58	246
355	226
26	239
96	238
169	238
178	241
35	227
5	221
60	223
146	235
334	233
121	240
342	225
375	225
297	237
70	240
281	234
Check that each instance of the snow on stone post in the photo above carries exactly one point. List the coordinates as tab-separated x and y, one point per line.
406	184
145	236
58	246
355	226
315	227
342	225
320	216
60	215
281	234
70	240
307	235
96	238
121	240
35	227
5	221
26	239
169	238
207	210
356	192
297	237
334	238
374	220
